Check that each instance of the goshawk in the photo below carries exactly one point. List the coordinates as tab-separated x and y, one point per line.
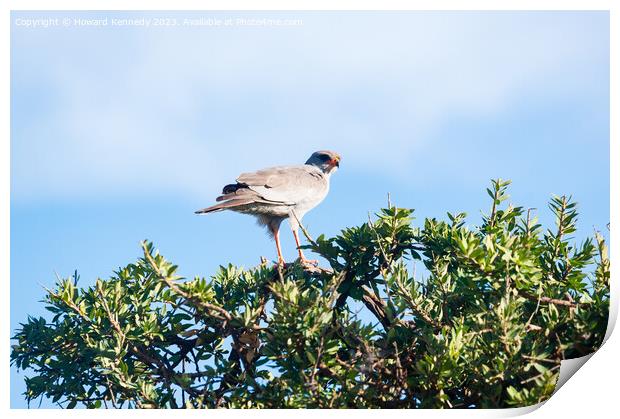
277	193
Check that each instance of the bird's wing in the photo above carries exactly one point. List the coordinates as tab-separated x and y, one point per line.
286	184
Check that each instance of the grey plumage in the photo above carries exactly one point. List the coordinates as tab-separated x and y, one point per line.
278	193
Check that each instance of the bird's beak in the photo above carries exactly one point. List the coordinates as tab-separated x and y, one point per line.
335	162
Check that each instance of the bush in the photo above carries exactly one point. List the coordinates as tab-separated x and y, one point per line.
499	307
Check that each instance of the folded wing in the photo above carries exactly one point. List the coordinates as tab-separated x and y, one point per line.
285	185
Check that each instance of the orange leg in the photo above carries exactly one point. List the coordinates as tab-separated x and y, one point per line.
302	258
276	236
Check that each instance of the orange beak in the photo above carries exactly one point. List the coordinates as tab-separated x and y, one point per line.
335	161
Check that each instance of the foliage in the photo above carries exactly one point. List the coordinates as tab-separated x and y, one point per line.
498	308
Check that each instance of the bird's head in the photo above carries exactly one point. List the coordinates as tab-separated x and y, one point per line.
327	161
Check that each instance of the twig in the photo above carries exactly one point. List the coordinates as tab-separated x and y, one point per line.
529	321
540	375
533	358
304	231
112	397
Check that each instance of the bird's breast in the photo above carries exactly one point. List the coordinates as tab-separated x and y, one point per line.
311	201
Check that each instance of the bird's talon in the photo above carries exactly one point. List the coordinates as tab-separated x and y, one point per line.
311	262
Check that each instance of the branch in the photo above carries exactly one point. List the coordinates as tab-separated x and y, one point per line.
230	377
376	306
550	300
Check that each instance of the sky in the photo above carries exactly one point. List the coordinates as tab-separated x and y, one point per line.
118	133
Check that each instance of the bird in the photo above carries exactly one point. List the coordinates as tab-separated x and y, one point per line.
278	193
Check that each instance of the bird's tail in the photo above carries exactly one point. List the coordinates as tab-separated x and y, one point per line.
214	208
233	203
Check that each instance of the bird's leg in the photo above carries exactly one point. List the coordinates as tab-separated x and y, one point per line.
302	258
276	236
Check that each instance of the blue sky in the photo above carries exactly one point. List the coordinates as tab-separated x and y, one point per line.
119	134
